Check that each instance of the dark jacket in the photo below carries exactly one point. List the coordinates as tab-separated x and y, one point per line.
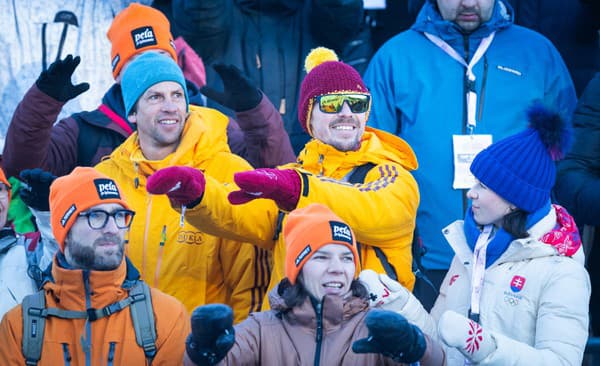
86	137
288	336
269	39
578	178
572	26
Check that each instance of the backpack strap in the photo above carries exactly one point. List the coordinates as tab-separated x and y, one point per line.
139	300
358	175
34	321
142	316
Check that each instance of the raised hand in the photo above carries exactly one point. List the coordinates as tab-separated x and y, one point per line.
239	94
56	81
36	188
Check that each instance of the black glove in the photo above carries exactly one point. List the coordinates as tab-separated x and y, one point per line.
239	94
36	188
393	336
212	334
56	81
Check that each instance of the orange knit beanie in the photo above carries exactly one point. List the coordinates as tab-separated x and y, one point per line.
71	194
310	228
135	29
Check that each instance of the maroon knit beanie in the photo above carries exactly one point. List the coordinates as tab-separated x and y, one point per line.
325	75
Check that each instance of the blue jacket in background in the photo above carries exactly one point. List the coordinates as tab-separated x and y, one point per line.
419	94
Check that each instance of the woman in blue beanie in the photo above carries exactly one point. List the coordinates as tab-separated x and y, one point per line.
517	292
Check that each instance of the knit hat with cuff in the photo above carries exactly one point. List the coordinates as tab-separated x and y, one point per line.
146	70
521	168
76	192
325	75
310	228
136	29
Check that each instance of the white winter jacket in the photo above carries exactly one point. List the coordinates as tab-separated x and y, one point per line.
15	284
543	321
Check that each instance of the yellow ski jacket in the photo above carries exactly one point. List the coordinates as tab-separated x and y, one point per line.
176	256
381	211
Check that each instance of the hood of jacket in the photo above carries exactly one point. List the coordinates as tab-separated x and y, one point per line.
430	20
68	287
336	310
376	147
203	136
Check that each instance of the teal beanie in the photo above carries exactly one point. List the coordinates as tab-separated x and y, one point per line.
146	70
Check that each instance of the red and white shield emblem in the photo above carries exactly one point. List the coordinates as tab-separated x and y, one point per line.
517	283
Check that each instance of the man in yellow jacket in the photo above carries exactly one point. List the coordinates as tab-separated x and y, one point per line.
92	303
380	206
173	255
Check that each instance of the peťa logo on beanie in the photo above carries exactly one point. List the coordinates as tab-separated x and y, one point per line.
143	37
340	232
106	188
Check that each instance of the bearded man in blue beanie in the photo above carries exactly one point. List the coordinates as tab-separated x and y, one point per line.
517	291
174	256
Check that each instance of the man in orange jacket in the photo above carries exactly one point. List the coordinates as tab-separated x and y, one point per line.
93	304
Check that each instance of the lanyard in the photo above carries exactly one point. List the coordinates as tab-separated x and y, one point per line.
471	94
479	268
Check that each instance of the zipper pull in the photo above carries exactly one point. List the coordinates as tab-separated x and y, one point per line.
282	106
258	63
182	217
163	236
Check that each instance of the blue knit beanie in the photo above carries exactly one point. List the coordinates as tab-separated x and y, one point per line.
146	70
521	168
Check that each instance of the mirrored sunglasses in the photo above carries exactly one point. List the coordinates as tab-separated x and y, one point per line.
333	103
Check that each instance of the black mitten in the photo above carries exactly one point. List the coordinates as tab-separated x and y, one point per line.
393	336
239	94
36	188
212	334
56	81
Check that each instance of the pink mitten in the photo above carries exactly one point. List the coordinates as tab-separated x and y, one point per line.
282	186
182	184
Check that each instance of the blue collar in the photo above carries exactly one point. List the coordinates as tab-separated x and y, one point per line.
500	242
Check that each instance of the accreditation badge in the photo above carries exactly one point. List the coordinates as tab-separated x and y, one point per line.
465	147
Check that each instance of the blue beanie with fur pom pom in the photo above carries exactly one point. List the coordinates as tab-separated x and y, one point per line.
521	168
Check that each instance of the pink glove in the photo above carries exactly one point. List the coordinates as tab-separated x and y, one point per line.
182	184
466	335
282	186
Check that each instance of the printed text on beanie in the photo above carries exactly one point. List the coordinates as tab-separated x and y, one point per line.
136	29
74	193
310	228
